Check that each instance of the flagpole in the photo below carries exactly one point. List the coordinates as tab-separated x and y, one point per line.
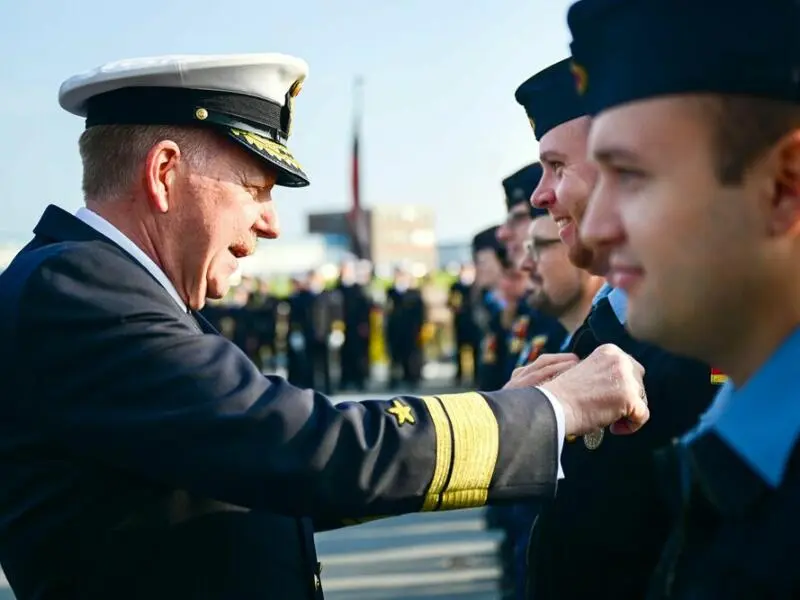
358	99
359	241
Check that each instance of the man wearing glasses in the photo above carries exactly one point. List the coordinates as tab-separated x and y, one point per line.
560	289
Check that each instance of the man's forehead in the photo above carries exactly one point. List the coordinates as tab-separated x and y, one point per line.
565	140
631	130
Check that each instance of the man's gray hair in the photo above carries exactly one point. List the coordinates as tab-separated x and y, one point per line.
112	155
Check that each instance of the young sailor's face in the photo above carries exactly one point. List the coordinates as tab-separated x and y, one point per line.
686	248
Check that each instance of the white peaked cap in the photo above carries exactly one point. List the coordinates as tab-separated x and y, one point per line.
248	97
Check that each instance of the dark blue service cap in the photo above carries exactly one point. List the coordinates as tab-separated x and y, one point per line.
519	187
550	98
629	50
486	239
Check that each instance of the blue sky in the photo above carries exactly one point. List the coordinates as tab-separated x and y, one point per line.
441	126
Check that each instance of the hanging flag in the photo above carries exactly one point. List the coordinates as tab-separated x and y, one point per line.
357	217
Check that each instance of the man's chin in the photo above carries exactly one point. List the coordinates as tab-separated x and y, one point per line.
217	285
585	258
217	290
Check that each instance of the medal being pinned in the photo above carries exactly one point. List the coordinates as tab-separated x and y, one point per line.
593	440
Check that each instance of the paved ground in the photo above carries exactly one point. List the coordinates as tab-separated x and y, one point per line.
433	556
442	556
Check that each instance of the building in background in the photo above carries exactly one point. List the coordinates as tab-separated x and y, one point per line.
396	234
454	254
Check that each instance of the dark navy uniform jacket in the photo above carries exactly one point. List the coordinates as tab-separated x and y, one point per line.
603	534
142	455
734	485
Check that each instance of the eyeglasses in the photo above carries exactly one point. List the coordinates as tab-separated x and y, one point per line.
517	218
534	248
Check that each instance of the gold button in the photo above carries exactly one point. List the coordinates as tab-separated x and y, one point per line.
317	583
201	114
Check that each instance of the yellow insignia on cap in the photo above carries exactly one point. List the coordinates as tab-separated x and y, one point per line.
581	77
274	149
401	412
533	124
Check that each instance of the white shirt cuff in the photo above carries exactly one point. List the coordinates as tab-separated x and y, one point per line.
560	424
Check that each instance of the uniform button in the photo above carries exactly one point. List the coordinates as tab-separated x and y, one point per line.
317	583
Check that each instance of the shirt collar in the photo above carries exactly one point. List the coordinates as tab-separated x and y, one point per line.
761	420
617	298
619	304
604	291
99	224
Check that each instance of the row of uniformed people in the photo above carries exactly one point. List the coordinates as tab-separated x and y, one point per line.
521	321
496	328
579	530
644	516
496	314
303	327
315	318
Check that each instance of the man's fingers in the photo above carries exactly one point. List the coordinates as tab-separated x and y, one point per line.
634	421
565	361
540	375
638	367
551	359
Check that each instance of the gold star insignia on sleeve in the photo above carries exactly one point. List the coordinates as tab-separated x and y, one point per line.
402	412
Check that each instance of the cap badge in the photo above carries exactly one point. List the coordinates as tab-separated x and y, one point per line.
580	76
294	91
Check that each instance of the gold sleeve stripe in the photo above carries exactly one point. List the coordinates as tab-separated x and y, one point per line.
476	445
467	446
444	452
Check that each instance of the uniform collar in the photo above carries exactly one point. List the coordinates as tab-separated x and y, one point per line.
761	420
109	231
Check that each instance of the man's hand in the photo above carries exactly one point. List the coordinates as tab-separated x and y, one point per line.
604	389
544	368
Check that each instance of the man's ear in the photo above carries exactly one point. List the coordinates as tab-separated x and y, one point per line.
785	209
160	172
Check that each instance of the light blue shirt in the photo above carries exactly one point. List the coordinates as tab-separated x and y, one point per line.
565	343
617	298
761	420
604	291
619	304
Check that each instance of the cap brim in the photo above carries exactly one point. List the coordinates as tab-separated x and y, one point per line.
290	173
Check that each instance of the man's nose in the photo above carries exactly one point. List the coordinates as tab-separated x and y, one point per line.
527	264
503	232
543	198
267	225
601	225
